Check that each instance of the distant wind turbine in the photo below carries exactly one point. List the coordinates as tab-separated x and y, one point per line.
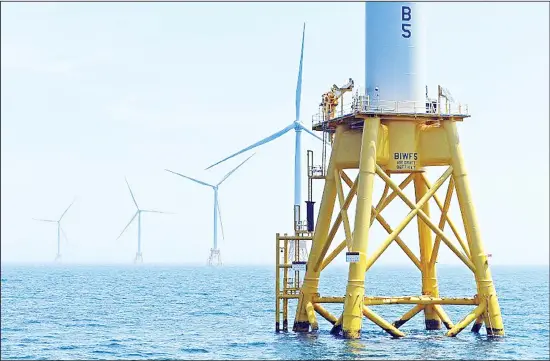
214	252
139	255
59	230
298	126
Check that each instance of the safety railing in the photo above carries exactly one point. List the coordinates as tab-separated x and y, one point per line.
364	104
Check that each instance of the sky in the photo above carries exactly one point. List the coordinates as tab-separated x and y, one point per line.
95	92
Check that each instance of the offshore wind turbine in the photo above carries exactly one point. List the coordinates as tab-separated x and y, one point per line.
214	252
298	126
139	255
59	230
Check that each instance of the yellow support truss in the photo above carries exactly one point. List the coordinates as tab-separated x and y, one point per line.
382	146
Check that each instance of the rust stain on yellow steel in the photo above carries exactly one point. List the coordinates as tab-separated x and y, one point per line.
407	316
476	312
443	316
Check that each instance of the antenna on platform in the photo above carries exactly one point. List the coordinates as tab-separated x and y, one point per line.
444	93
215	255
139	255
59	230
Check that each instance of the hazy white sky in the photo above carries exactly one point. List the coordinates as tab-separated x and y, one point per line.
94	92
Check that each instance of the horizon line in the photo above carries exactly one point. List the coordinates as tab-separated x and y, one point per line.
130	263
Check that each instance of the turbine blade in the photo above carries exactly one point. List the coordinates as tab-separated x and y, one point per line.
220	215
131	193
192	179
299	82
67	209
131	220
310	132
153	211
64	234
44	220
237	167
257	144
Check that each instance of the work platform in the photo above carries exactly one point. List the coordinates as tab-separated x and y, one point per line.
354	113
382	139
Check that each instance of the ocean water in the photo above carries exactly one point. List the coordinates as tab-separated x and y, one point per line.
176	312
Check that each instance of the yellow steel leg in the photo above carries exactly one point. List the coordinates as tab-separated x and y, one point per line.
407	316
318	248
353	303
311	317
429	280
484	280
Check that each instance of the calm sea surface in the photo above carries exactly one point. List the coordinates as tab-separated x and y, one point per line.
177	312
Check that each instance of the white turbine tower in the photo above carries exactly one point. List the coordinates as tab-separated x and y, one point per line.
139	255
215	255
298	126
59	230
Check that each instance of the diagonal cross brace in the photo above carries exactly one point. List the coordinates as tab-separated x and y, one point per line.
317	263
442	222
398	240
343	210
383	203
416	210
451	223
